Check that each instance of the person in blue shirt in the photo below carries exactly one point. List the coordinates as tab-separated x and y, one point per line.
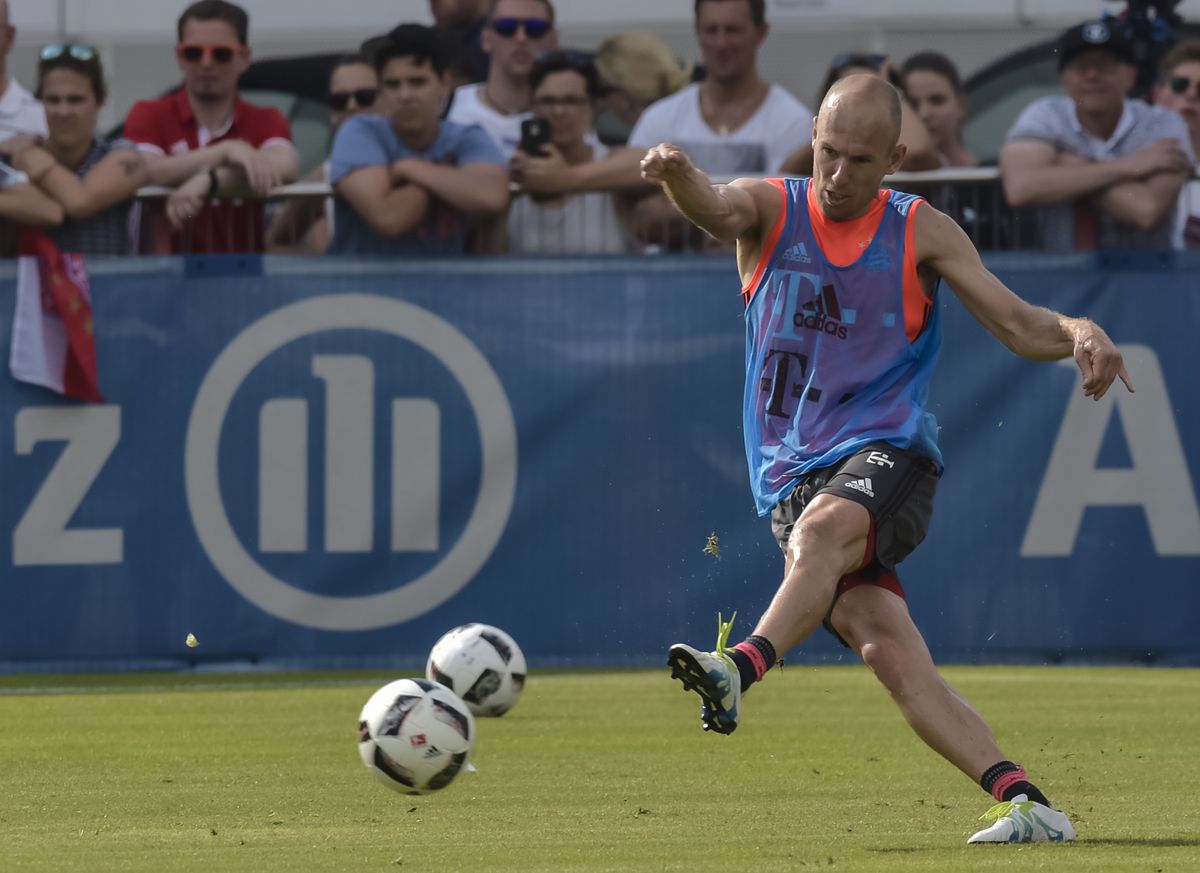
841	281
408	183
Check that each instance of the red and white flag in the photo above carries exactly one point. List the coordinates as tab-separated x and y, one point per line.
53	343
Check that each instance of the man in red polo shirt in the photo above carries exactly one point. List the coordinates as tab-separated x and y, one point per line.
204	140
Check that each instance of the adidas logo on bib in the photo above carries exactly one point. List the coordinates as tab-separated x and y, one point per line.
863	485
798	253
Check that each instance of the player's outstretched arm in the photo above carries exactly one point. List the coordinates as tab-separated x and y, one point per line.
725	212
1030	331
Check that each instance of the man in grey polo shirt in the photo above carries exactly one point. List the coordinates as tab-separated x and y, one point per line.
1104	169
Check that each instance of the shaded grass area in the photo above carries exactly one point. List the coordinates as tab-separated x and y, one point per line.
590	772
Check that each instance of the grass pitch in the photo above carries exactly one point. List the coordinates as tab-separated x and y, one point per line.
590	772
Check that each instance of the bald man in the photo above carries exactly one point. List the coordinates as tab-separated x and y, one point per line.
840	281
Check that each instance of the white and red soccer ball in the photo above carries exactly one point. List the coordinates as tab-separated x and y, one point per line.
415	736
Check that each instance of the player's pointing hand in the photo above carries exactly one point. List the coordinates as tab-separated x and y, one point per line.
664	162
1099	361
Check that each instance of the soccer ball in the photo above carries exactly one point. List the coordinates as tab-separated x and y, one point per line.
480	663
415	735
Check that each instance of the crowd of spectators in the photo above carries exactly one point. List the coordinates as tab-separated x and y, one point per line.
483	134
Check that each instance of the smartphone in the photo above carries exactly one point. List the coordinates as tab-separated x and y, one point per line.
535	135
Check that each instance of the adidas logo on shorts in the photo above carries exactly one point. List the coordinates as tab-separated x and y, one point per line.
863	485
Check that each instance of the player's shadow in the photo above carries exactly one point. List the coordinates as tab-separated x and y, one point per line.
1141	842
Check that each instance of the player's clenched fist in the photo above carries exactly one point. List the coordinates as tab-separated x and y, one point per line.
664	162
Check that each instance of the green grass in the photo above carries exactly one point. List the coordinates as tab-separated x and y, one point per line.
591	772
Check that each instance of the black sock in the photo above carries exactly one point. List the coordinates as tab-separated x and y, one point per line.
1012	779
745	668
742	657
1028	789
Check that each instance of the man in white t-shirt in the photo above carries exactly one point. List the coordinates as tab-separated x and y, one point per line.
20	116
733	123
19	112
516	32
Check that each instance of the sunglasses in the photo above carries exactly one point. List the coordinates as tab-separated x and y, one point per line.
77	50
195	53
535	28
1180	85
364	97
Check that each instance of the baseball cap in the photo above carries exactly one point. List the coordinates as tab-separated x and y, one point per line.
1107	35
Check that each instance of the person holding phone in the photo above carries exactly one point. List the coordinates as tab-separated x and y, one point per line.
565	90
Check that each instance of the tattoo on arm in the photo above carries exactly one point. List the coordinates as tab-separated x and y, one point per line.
130	166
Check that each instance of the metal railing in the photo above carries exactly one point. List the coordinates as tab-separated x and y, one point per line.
973	196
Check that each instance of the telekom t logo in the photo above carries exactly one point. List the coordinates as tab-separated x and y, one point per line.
350	481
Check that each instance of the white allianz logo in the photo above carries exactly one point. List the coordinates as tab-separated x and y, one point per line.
863	485
348	494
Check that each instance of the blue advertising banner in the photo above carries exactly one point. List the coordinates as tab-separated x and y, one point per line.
330	463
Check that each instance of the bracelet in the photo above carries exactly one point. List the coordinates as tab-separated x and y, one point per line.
214	182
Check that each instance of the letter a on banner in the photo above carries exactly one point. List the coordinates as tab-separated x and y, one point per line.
1158	480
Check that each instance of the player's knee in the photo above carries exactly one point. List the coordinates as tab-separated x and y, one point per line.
886	660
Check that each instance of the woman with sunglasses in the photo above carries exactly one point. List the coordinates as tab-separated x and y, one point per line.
565	91
304	226
1178	90
92	179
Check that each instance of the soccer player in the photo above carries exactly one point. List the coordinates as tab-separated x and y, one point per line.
840	280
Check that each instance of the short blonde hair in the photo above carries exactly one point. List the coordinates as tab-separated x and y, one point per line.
642	65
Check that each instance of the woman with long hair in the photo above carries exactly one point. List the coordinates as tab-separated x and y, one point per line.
934	88
94	180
